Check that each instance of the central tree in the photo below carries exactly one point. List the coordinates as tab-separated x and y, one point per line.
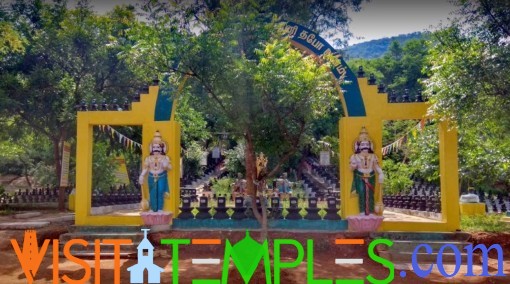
247	74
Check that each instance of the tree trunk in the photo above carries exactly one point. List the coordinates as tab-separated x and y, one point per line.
252	183
25	173
251	170
27	178
56	155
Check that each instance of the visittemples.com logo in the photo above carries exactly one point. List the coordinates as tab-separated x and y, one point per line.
245	255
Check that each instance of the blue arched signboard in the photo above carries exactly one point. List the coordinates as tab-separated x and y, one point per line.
347	80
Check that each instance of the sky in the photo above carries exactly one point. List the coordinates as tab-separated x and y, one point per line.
386	18
377	18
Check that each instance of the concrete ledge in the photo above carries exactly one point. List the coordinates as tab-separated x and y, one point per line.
65	218
23	225
417	213
27	215
103	210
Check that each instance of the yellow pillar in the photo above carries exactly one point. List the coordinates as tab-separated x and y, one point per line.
449	172
141	114
377	111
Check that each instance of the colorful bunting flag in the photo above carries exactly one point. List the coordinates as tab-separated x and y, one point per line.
125	141
397	144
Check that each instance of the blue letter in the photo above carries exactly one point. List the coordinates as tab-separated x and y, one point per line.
440	266
485	259
421	273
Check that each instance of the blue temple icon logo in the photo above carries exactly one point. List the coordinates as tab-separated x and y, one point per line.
145	262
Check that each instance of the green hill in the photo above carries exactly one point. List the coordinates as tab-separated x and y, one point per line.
377	47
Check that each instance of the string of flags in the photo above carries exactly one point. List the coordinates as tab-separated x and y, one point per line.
128	143
397	144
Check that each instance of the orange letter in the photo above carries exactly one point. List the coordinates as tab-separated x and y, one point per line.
97	259
116	255
56	279
31	257
68	255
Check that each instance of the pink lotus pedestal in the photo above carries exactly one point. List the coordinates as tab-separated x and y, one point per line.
364	223
157	220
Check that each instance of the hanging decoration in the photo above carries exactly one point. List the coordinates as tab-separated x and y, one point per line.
397	144
125	141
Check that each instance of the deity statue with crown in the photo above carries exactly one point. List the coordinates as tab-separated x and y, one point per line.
364	165
157	165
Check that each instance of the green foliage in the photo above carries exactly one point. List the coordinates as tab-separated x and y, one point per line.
103	167
192	121
468	86
369	66
378	47
400	68
235	161
191	160
22	154
11	40
487	20
10	154
423	153
483	223
396	177
222	186
44	173
484	153
68	56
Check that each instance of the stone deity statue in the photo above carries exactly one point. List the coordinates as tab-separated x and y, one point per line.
157	164
364	164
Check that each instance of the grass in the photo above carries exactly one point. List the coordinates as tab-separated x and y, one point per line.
483	223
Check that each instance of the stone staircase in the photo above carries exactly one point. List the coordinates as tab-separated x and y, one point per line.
404	244
92	233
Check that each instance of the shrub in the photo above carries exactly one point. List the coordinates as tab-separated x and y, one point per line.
483	223
222	186
396	177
